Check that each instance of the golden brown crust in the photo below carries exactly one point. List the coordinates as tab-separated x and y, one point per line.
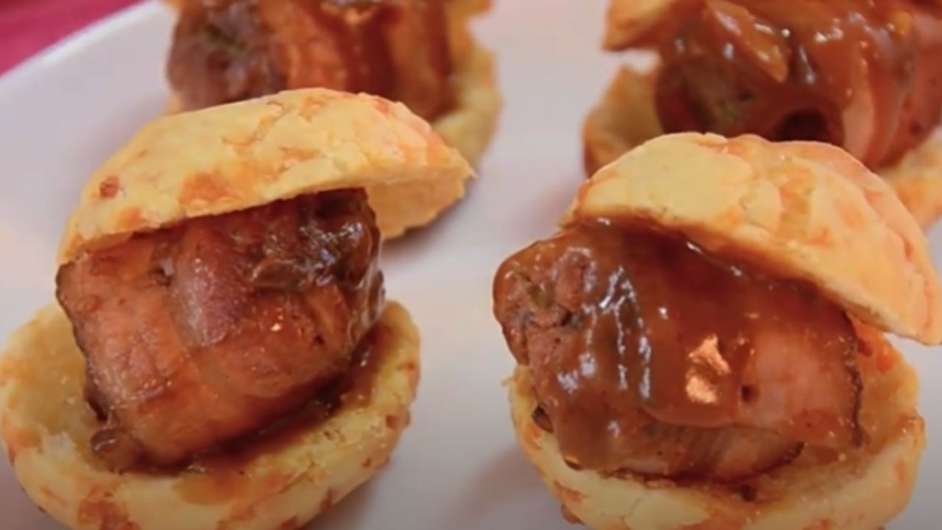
626	117
470	126
917	179
46	426
628	21
861	491
460	13
246	154
804	209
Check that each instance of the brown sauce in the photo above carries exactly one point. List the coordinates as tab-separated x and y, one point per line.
861	74
202	332
649	353
228	473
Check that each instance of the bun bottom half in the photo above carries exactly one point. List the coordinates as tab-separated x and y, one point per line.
272	484
859	490
626	117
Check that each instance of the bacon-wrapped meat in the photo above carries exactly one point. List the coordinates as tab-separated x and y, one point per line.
648	355
203	332
864	75
229	50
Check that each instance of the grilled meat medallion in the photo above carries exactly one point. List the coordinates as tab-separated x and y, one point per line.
209	330
648	354
861	74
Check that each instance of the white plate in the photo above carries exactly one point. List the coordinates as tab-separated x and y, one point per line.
457	467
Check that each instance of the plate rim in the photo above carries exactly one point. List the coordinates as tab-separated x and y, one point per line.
66	48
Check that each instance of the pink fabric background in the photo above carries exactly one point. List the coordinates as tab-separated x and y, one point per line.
29	26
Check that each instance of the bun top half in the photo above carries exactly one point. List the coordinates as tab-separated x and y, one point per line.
247	154
800	209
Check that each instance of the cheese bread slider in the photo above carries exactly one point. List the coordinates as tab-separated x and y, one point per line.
221	354
860	75
701	344
419	52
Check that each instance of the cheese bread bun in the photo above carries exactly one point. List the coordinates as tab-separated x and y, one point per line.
281	480
242	155
701	345
420	53
221	354
712	77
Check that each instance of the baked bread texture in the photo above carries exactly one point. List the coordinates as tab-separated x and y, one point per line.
282	483
800	210
245	154
803	209
470	125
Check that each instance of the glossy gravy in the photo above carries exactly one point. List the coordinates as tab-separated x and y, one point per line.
637	340
230	472
863	74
